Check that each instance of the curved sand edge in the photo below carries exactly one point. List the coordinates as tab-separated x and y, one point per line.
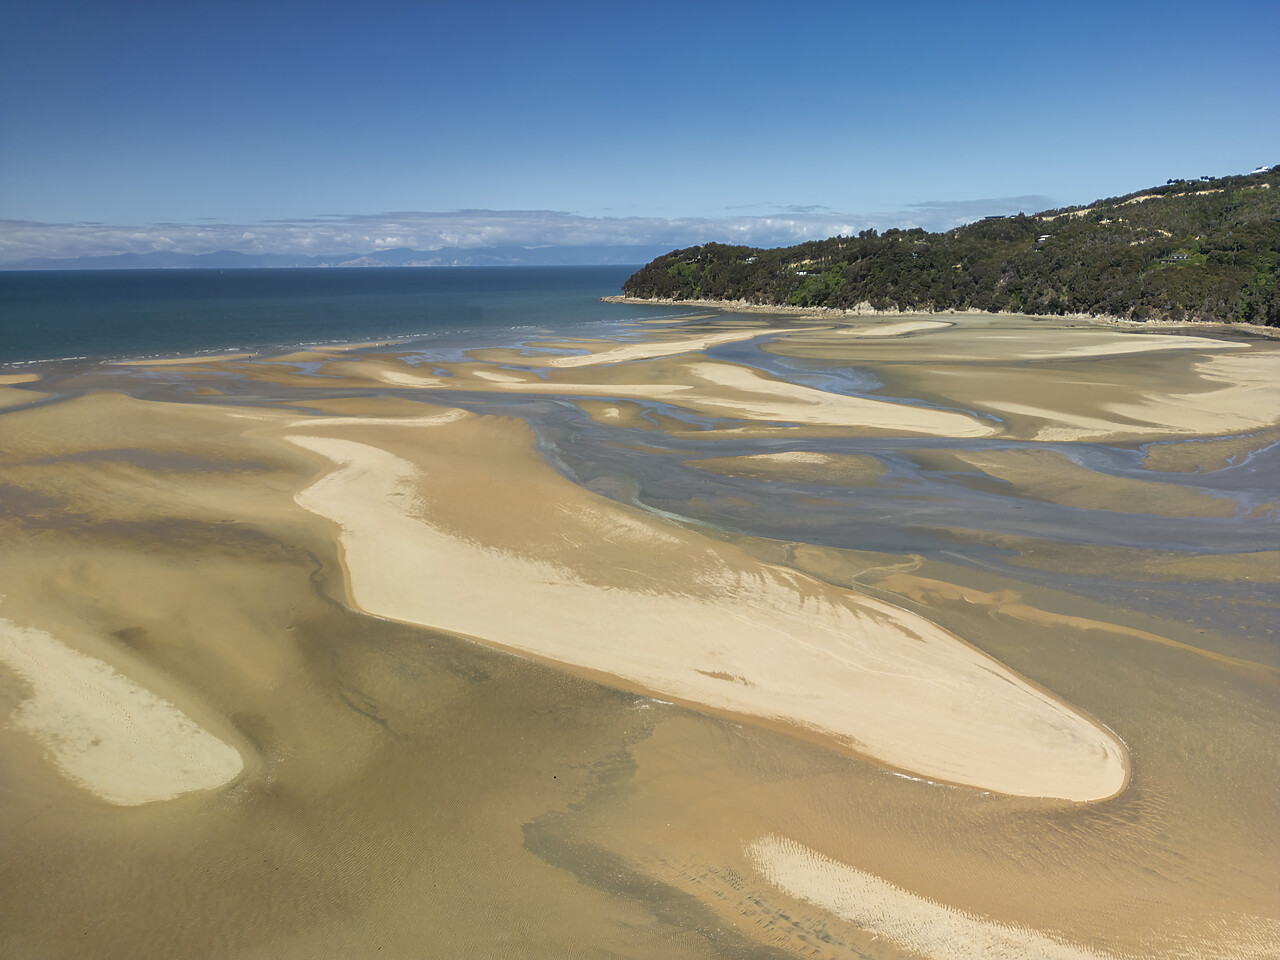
719	389
912	922
1241	393
692	619
651	349
106	733
939	932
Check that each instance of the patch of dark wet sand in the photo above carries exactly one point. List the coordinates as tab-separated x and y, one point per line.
1052	476
847	470
150	459
1073	871
551	839
395	769
1208	454
401	774
447	751
19	397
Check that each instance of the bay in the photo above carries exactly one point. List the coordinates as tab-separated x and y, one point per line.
50	315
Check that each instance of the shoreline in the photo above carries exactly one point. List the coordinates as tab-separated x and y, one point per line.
950	631
866	310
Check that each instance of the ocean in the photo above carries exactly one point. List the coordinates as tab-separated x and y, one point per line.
54	315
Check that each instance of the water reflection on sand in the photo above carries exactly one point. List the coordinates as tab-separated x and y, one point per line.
1094	509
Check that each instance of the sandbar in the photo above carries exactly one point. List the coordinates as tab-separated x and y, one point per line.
896	329
798	466
1053	476
184	361
649	349
590	583
722	389
934	930
106	733
914	923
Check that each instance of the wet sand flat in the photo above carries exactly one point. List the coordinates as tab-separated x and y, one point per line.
728	390
930	637
104	732
722	633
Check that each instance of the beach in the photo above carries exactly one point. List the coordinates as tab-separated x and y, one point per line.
704	635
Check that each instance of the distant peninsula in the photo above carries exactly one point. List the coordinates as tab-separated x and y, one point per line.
1206	249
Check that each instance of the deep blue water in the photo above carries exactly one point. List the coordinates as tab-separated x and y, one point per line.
135	313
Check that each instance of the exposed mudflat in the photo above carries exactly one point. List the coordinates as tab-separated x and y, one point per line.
823	637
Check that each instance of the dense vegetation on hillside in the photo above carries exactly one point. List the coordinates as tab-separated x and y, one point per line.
1204	249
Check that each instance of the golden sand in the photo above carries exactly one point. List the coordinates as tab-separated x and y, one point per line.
798	466
892	329
934	930
908	921
727	390
649	349
719	632
411	691
106	733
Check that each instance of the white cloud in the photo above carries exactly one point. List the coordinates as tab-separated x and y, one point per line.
338	234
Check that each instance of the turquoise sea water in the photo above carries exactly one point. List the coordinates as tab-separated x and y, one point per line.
134	313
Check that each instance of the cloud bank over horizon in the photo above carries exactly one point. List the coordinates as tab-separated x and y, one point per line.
427	231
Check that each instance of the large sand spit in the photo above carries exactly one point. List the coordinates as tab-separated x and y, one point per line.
589	583
106	733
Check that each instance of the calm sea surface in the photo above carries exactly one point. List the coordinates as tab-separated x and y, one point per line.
135	313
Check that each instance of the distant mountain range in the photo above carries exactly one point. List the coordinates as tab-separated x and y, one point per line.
572	256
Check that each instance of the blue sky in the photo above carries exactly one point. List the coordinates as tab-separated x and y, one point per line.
609	115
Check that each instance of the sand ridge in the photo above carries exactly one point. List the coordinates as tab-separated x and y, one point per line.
892	329
650	349
107	734
698	622
537	769
720	389
911	922
939	932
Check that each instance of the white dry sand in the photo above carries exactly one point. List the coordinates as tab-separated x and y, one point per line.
445	416
722	389
651	349
1105	343
791	456
911	922
898	329
497	376
933	930
1242	393
744	392
704	624
1067	426
106	733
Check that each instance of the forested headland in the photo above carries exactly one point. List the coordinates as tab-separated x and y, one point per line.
1206	249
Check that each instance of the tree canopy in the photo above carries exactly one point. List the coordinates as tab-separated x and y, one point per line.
1206	249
